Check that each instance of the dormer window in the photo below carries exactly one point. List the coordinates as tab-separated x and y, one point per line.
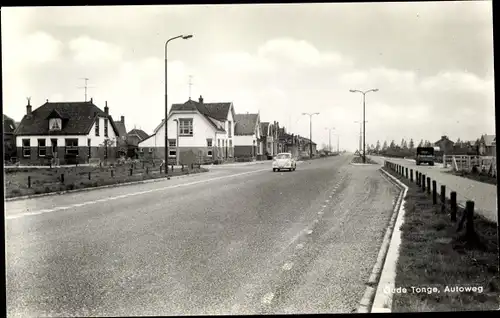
55	124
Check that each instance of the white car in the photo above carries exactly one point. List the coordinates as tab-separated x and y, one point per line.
284	160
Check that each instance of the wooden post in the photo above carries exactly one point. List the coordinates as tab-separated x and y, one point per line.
172	168
131	171
62	178
428	185
443	198
411	175
182	167
406	173
147	170
434	192
469	209
453	199
112	174
89	175
417	177
422	181
29	181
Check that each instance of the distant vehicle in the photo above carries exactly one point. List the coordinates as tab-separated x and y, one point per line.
284	160
425	155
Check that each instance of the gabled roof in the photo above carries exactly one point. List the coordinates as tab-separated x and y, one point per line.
488	139
9	125
78	119
219	111
245	124
445	139
264	128
120	126
139	132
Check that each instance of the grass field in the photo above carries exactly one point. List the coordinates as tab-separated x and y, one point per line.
480	176
433	254
49	180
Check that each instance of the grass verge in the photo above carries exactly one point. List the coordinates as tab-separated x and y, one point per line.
49	180
434	255
480	176
359	159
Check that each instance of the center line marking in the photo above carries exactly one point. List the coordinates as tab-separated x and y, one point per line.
268	298
287	266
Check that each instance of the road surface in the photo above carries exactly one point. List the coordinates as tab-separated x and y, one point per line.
483	194
236	240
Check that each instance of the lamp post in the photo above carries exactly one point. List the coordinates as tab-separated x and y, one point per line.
360	134
364	132
310	132
185	37
330	137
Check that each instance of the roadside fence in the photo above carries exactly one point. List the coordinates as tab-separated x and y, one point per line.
429	187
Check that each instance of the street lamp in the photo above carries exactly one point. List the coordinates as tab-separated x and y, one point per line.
330	137
364	132
184	37
310	132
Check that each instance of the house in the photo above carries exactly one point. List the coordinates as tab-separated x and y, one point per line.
69	132
206	133
486	145
282	137
306	146
266	139
445	145
247	131
121	140
134	137
9	140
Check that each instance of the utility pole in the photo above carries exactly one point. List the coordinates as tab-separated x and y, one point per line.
310	132
86	86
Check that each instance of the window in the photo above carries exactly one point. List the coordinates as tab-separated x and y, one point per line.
97	126
89	144
42	150
172	143
186	127
141	150
72	146
209	153
26	148
150	150
209	142
55	124
218	143
209	145
229	131
172	153
105	127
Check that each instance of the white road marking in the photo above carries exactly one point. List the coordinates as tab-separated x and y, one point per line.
287	266
11	217
268	298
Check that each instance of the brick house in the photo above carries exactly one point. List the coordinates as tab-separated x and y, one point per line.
445	145
487	147
134	137
121	140
206	132
9	140
248	142
69	132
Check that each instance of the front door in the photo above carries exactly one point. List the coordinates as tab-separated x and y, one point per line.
53	143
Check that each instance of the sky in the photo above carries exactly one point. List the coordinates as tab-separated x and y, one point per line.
432	63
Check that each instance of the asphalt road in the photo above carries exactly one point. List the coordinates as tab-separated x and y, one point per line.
236	240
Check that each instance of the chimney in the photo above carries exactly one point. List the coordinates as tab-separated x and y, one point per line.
28	108
91	100
123	119
106	109
200	99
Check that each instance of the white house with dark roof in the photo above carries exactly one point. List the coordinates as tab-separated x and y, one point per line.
205	132
248	142
67	131
487	145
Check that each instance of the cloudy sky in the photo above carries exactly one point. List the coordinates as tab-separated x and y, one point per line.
432	63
